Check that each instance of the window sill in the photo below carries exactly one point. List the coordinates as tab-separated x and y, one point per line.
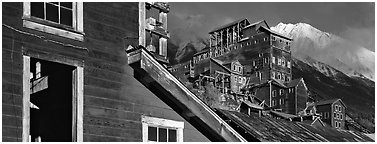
52	30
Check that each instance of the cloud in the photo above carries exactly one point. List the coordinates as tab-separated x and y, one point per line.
361	36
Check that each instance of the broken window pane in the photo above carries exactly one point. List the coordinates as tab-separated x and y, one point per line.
66	4
52	13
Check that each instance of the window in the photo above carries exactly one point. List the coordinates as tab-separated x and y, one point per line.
280	41
256	41
260	55
336	124
283	62
279	61
266	60
281	91
273	103
161	130
265	39
341	116
335	116
279	77
336	107
288	64
280	102
340	108
273	60
60	18
260	76
273	38
326	115
273	74
273	93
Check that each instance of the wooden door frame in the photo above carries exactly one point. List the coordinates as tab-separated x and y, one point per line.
77	99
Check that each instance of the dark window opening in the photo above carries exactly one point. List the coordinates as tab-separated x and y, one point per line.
57	12
159	134
51	96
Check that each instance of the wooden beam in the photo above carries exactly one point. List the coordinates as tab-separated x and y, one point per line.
39	84
26	100
181	99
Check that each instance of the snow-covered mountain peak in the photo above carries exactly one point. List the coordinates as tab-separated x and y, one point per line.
330	49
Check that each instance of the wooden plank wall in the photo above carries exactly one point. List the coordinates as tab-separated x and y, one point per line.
113	99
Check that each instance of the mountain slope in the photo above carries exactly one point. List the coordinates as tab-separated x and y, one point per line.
325	82
339	53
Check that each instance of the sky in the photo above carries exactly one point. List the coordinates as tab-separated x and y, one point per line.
350	20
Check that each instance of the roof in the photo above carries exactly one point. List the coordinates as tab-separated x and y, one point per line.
283	115
258	22
331	101
273	81
252	105
276	33
220	63
311	122
206	49
227	25
264	128
294	82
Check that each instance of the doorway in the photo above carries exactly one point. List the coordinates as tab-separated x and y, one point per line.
54	112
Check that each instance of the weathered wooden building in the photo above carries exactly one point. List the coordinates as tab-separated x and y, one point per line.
97	72
66	76
267	66
333	112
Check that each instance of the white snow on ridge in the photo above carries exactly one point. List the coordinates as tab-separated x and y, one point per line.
329	49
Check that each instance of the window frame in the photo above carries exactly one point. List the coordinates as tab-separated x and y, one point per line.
76	33
77	97
160	122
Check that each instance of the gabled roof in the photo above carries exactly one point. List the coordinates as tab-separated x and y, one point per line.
264	128
275	82
295	82
331	101
276	33
220	63
229	24
256	23
206	49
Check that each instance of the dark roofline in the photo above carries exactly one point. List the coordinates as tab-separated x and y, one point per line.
227	25
258	22
331	101
216	61
206	49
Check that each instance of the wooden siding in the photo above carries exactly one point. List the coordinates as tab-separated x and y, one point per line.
113	99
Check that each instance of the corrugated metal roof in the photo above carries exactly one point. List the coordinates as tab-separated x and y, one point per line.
266	128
